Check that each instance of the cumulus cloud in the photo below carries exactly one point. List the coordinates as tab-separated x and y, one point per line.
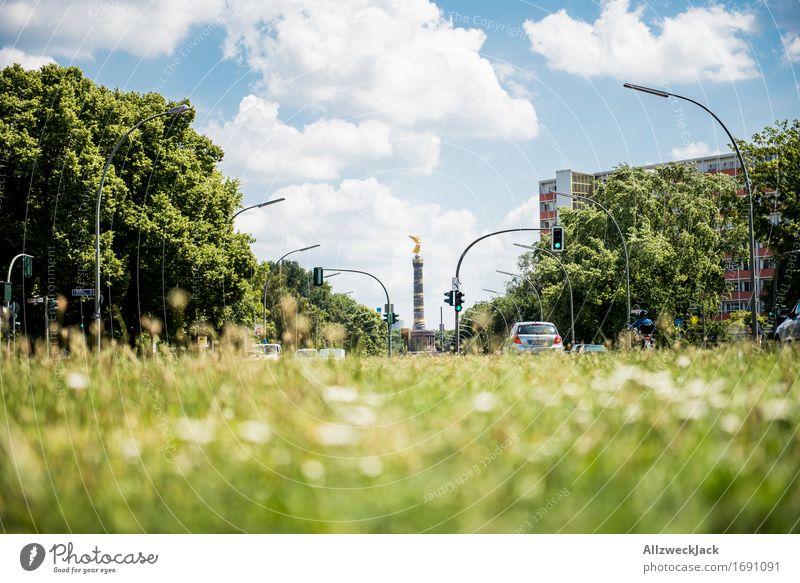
793	48
363	225
701	43
395	60
260	146
79	28
11	55
693	150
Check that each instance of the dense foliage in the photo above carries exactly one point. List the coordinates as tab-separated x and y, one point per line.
678	224
773	157
171	262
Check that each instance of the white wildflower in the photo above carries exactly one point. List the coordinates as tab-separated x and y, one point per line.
360	416
330	434
370	467
730	423
255	431
313	470
200	431
340	394
484	402
683	361
130	449
77	381
775	409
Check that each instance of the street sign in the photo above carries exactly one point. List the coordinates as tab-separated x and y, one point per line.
678	322
6	291
456	284
38	300
82	292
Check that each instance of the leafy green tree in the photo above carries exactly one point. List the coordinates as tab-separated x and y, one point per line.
773	158
171	261
678	223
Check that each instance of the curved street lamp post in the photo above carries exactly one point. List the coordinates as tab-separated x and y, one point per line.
178	110
748	187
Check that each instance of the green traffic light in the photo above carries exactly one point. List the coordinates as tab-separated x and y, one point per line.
458	308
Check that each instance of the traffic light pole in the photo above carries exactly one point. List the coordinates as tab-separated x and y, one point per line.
8	303
624	247
461	259
569	283
388	301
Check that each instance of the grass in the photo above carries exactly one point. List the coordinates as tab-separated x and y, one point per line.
696	441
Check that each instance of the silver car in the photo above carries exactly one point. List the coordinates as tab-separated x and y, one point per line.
789	330
534	337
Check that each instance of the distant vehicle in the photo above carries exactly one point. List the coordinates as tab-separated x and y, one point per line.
529	337
643	329
789	329
265	351
306	353
332	353
582	348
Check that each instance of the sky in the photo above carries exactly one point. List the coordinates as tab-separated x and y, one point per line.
378	119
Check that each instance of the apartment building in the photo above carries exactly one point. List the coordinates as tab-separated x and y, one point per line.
737	274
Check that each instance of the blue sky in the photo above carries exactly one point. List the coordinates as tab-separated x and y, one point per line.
381	118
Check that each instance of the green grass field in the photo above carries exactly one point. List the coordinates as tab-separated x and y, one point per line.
696	441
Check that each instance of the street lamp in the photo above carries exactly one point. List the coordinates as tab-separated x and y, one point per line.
748	187
279	262
256	206
569	283
178	110
533	287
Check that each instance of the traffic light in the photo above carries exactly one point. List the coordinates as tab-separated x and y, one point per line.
458	299
448	297
391	318
319	275
557	238
27	266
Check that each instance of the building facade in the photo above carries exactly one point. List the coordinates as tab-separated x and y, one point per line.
737	274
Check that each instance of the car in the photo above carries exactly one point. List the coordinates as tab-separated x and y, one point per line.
332	353
265	351
584	348
306	353
789	329
527	337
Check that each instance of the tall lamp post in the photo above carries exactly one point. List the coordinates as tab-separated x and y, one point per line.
748	187
97	315
569	283
236	214
279	263
256	206
530	283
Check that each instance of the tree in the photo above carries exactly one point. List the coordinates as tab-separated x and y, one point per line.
678	223
773	159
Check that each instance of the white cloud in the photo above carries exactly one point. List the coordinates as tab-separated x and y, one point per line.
702	43
692	150
10	55
793	48
363	225
395	60
258	145
79	28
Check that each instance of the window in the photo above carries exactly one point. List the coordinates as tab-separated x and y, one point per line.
537	329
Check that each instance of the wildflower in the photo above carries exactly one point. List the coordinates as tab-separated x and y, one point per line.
370	467
77	381
313	470
484	402
255	431
200	431
330	434
340	394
